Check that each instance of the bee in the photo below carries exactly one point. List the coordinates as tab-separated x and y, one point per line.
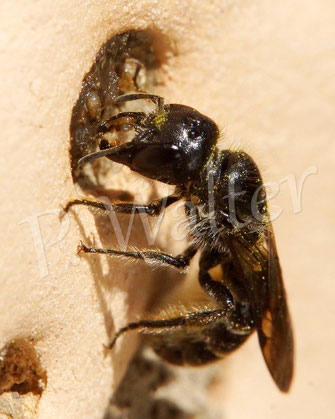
229	225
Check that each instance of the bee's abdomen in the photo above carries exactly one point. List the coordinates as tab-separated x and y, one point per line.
201	348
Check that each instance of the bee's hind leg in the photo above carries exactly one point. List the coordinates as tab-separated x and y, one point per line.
189	320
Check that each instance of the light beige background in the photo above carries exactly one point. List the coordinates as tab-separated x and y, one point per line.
264	70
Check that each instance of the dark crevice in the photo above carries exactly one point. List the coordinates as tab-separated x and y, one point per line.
125	63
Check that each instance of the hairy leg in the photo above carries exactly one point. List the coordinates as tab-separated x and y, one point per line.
149	256
152	209
191	319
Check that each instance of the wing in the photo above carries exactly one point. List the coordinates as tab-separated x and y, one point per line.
258	263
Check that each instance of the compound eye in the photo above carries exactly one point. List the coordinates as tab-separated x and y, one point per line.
195	129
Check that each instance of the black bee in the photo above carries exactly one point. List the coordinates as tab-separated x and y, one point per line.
226	209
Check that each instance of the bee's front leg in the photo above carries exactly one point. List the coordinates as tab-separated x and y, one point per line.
152	209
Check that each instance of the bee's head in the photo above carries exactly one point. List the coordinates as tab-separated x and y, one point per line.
173	145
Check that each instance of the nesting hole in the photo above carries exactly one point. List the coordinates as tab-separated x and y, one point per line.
125	63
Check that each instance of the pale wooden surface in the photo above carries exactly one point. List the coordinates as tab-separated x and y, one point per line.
265	72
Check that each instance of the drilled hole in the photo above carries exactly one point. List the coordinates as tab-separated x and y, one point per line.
124	63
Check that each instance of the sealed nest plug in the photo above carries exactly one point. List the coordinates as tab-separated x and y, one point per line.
20	369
